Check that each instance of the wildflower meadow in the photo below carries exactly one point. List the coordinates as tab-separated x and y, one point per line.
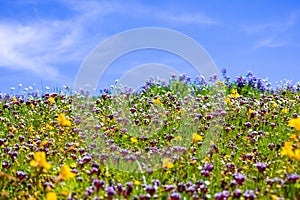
182	139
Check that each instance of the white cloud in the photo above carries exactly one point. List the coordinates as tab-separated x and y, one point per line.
21	48
269	42
275	26
133	9
35	46
277	33
41	45
196	18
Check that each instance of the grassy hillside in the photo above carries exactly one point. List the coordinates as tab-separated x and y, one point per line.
231	139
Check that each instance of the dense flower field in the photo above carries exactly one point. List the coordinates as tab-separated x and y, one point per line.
231	139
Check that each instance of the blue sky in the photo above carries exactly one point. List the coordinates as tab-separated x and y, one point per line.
45	42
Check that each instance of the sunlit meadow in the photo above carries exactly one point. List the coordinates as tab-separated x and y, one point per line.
184	139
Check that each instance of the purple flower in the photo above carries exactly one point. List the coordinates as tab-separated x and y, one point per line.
239	178
249	195
144	196
21	175
237	193
89	191
119	188
293	178
222	195
190	189
182	77
169	188
213	78
205	173
86	159
150	189
240	81
233	183
203	188
260	85
110	191
98	184
155	182
248	124
175	196
260	166
208	167
224	72
5	164
271	146
181	187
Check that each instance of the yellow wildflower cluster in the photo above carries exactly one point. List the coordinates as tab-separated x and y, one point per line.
295	123
66	173
227	100
288	146
40	161
51	100
133	140
197	138
63	121
157	101
167	164
288	150
234	93
51	196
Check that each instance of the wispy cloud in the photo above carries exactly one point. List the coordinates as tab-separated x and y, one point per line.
196	18
269	42
36	46
40	45
22	47
96	8
275	34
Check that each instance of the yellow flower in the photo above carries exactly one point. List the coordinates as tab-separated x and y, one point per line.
63	121
49	127
234	93
197	138
31	129
297	154
137	182
284	111
287	149
73	165
274	105
294	137
167	164
157	101
44	143
51	196
65	193
51	100
295	123
14	130
227	100
250	111
133	140
65	172
40	161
